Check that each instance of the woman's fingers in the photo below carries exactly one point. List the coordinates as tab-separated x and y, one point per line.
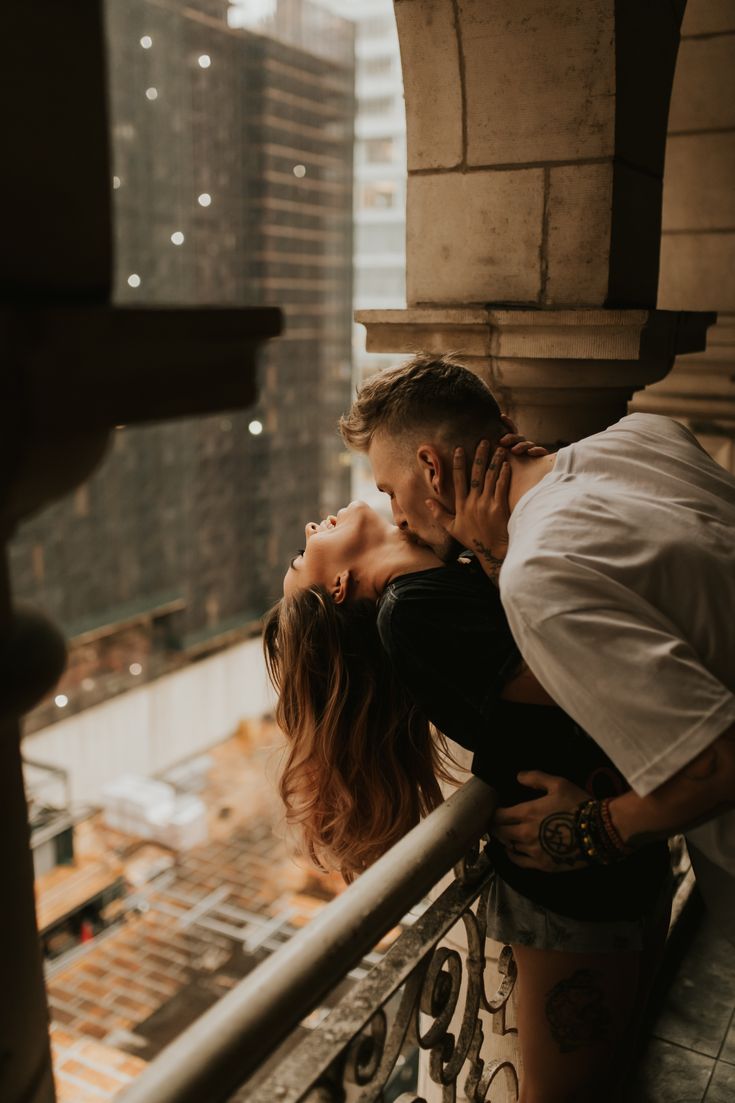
459	474
502	487
479	466
519	445
525	447
491	476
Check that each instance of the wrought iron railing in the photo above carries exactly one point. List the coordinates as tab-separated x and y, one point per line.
421	994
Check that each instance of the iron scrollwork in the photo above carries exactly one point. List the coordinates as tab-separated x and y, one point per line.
450	1054
421	994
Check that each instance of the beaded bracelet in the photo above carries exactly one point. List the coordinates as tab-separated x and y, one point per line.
612	832
597	837
591	840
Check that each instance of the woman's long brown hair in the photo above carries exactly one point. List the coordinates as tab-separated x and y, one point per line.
362	764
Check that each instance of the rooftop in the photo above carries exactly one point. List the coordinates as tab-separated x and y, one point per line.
195	923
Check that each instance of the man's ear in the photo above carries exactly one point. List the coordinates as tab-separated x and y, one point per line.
433	469
341	587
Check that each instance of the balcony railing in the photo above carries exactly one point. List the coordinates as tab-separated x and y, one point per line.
420	994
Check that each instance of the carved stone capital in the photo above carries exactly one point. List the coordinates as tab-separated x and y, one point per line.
701	385
565	373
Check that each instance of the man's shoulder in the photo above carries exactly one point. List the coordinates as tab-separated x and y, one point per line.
650	422
653	439
655	426
527	573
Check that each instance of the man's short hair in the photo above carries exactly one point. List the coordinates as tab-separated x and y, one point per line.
427	392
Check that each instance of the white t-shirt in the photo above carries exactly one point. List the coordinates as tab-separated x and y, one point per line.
619	586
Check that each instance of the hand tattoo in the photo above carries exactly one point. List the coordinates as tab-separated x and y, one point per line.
557	838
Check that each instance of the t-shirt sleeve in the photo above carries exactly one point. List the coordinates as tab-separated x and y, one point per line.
452	652
618	666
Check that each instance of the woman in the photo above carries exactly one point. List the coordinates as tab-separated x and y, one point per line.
375	637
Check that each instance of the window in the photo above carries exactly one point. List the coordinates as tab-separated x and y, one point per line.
372	239
381	283
376	105
378	151
375	27
380	195
376	66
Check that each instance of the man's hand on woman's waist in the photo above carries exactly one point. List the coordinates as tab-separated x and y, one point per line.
541	833
549	833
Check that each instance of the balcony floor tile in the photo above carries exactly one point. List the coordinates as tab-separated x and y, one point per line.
671	1073
700	1002
722	1085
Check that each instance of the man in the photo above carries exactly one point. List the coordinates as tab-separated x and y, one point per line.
619	586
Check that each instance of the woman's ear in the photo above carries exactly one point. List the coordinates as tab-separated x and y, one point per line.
432	468
341	586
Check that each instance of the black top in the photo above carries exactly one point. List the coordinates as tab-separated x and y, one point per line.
449	641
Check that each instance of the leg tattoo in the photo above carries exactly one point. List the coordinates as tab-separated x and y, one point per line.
576	1011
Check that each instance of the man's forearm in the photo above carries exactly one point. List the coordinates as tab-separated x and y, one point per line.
700	791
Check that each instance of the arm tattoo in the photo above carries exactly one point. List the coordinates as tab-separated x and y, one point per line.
557	838
493	563
576	1011
715	762
643	838
703	767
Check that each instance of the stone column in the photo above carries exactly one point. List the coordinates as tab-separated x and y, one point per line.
562	374
536	138
698	238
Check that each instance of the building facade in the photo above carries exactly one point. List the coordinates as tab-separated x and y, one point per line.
232	161
380	186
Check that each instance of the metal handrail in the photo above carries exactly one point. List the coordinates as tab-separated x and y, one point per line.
219	1051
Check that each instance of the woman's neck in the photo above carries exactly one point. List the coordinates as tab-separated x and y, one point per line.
400	554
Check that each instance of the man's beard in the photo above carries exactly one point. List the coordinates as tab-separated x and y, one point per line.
449	549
